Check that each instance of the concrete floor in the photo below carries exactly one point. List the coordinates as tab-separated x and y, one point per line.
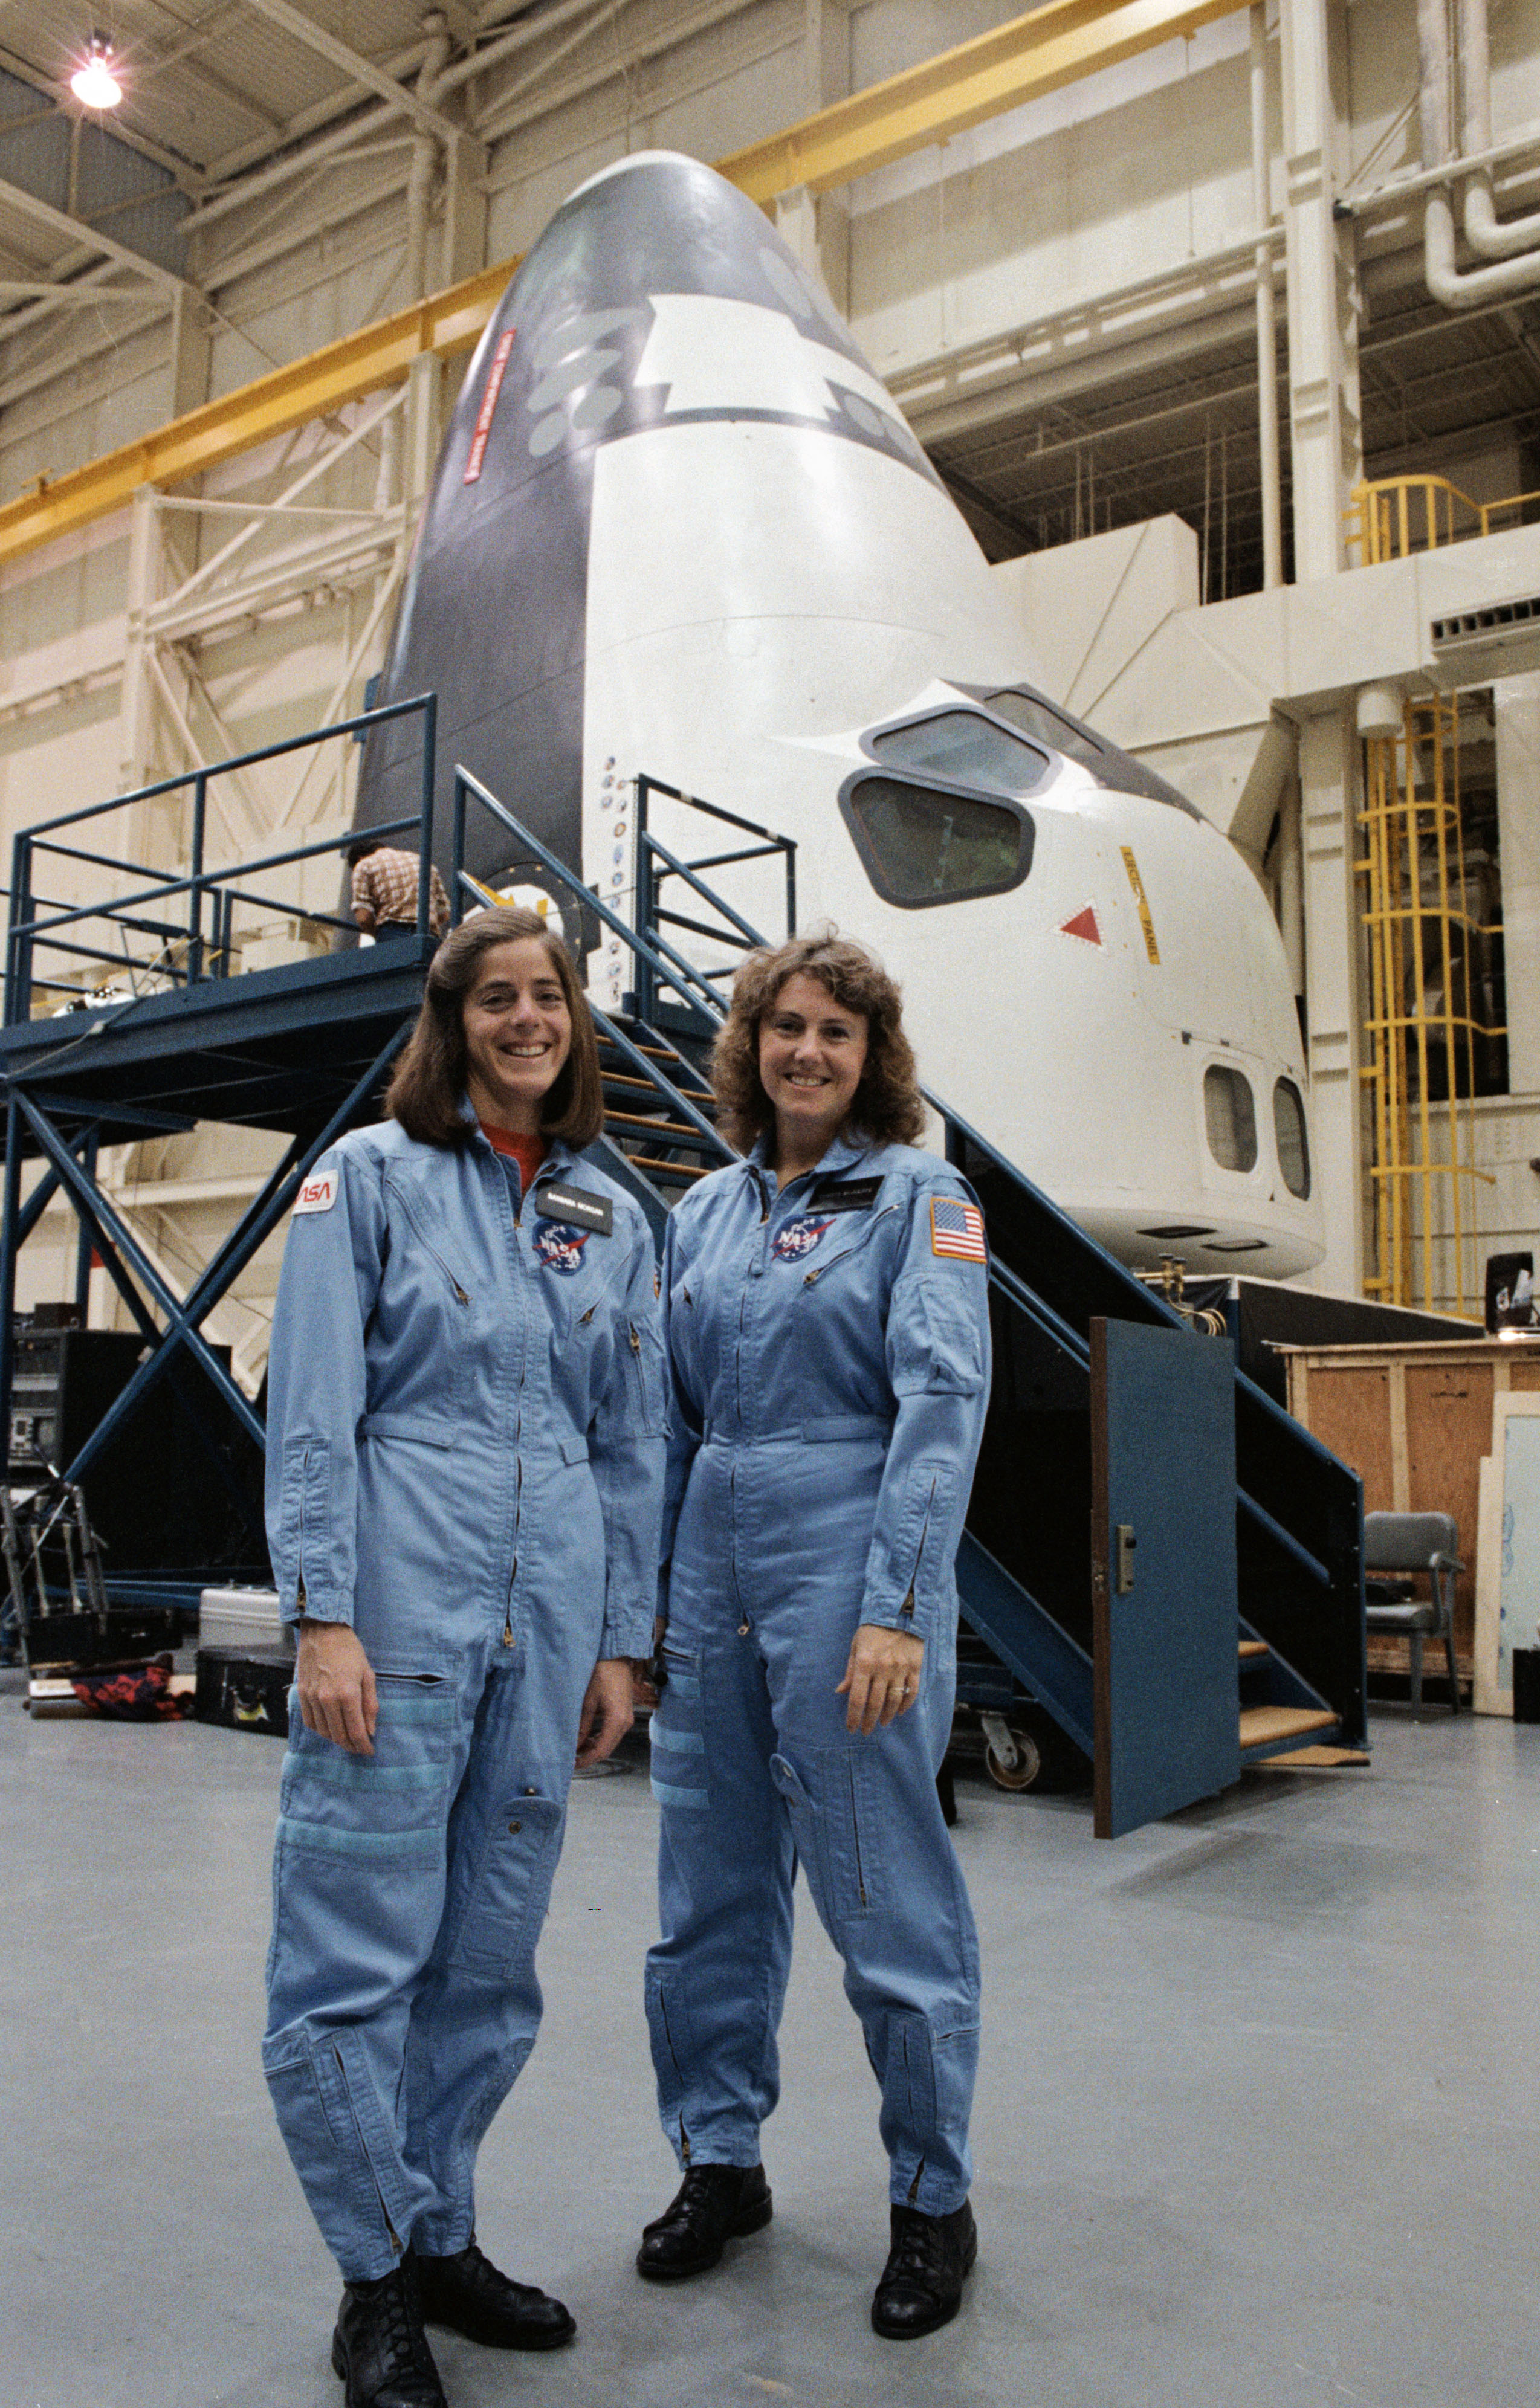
1256	2119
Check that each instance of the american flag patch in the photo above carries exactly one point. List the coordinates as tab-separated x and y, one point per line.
957	1229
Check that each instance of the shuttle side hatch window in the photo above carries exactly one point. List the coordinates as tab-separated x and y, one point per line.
1293	1144
964	745
1230	1113
921	845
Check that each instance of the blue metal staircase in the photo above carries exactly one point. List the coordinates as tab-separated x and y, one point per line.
1023	1566
305	1050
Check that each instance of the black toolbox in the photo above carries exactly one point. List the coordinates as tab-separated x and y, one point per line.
244	1688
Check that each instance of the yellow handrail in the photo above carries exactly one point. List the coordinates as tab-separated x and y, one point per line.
1390	518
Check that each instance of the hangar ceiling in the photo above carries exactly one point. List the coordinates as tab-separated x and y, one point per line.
216	90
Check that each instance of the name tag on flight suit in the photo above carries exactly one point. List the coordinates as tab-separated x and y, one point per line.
844	1195
578	1207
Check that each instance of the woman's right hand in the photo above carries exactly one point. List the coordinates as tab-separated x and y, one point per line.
337	1694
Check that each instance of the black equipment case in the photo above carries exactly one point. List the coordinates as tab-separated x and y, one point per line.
244	1688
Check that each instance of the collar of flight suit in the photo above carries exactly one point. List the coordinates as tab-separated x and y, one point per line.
841	1153
560	1161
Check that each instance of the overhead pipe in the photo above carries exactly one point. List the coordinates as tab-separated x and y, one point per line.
1477	286
1485	232
1267	316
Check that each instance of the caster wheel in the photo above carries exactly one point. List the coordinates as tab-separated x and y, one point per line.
1019	1774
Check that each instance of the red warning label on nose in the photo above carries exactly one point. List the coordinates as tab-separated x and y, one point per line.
489	403
1083	926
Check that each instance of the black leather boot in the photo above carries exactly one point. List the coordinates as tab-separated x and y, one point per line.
930	2258
468	2293
713	2205
380	2348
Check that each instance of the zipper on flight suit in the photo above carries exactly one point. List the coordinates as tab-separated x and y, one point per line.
908	1605
395	2242
679	2073
811	1279
430	1248
856	1834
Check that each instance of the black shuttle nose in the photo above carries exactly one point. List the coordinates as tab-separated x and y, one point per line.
493	615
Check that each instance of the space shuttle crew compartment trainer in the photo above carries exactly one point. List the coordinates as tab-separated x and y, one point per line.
678	528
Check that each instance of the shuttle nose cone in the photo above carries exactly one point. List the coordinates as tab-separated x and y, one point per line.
658	297
658	294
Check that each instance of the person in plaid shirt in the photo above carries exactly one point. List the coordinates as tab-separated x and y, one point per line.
384	891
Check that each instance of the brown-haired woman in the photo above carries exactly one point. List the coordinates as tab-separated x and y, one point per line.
825	1306
465	1464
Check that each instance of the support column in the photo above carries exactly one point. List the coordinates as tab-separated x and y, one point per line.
136	722
1517	702
1328	804
1325	436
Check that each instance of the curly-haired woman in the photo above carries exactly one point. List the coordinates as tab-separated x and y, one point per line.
826	1303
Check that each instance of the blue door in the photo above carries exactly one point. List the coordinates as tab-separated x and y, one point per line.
1165	1621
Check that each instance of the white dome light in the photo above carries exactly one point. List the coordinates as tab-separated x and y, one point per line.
95	82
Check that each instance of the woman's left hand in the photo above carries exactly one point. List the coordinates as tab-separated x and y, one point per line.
607	1712
882	1676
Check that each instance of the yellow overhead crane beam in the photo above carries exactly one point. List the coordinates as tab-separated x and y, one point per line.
1040	52
1049	47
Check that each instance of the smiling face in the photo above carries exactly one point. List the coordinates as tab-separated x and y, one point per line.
518	1034
812	1054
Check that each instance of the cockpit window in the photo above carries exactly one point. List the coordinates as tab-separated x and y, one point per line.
1028	710
922	845
1038	718
964	745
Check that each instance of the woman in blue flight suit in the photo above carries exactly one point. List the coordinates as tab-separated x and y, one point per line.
826	1317
465	1474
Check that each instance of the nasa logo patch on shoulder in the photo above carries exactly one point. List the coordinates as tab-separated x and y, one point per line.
318	1193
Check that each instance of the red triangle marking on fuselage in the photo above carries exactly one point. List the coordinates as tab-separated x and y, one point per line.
1083	926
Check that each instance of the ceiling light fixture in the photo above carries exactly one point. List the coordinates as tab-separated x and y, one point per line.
94	81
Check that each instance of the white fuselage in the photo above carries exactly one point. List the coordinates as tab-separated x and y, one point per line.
758	595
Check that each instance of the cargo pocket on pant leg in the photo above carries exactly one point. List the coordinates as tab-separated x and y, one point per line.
512	1890
677	1735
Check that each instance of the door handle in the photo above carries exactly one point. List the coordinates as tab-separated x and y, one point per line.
1124	1543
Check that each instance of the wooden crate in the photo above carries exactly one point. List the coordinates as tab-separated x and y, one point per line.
1414	1421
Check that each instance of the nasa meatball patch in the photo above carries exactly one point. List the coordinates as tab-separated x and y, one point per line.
799	1238
559	1246
318	1193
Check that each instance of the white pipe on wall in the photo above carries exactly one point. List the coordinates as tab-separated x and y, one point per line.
1508	277
1483	232
1267	326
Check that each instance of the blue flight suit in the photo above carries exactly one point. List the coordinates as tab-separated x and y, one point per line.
465	1461
828	1347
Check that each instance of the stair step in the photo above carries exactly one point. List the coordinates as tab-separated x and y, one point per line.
645	1087
1313	1760
1251	1648
665	1169
650	1127
654	1052
1265	1726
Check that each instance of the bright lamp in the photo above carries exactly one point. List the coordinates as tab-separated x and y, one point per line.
94	81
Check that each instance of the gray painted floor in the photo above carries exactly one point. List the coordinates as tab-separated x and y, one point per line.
1257	2114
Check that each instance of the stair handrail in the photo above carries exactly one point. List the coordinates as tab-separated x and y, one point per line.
673	972
462	885
652	913
206	954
